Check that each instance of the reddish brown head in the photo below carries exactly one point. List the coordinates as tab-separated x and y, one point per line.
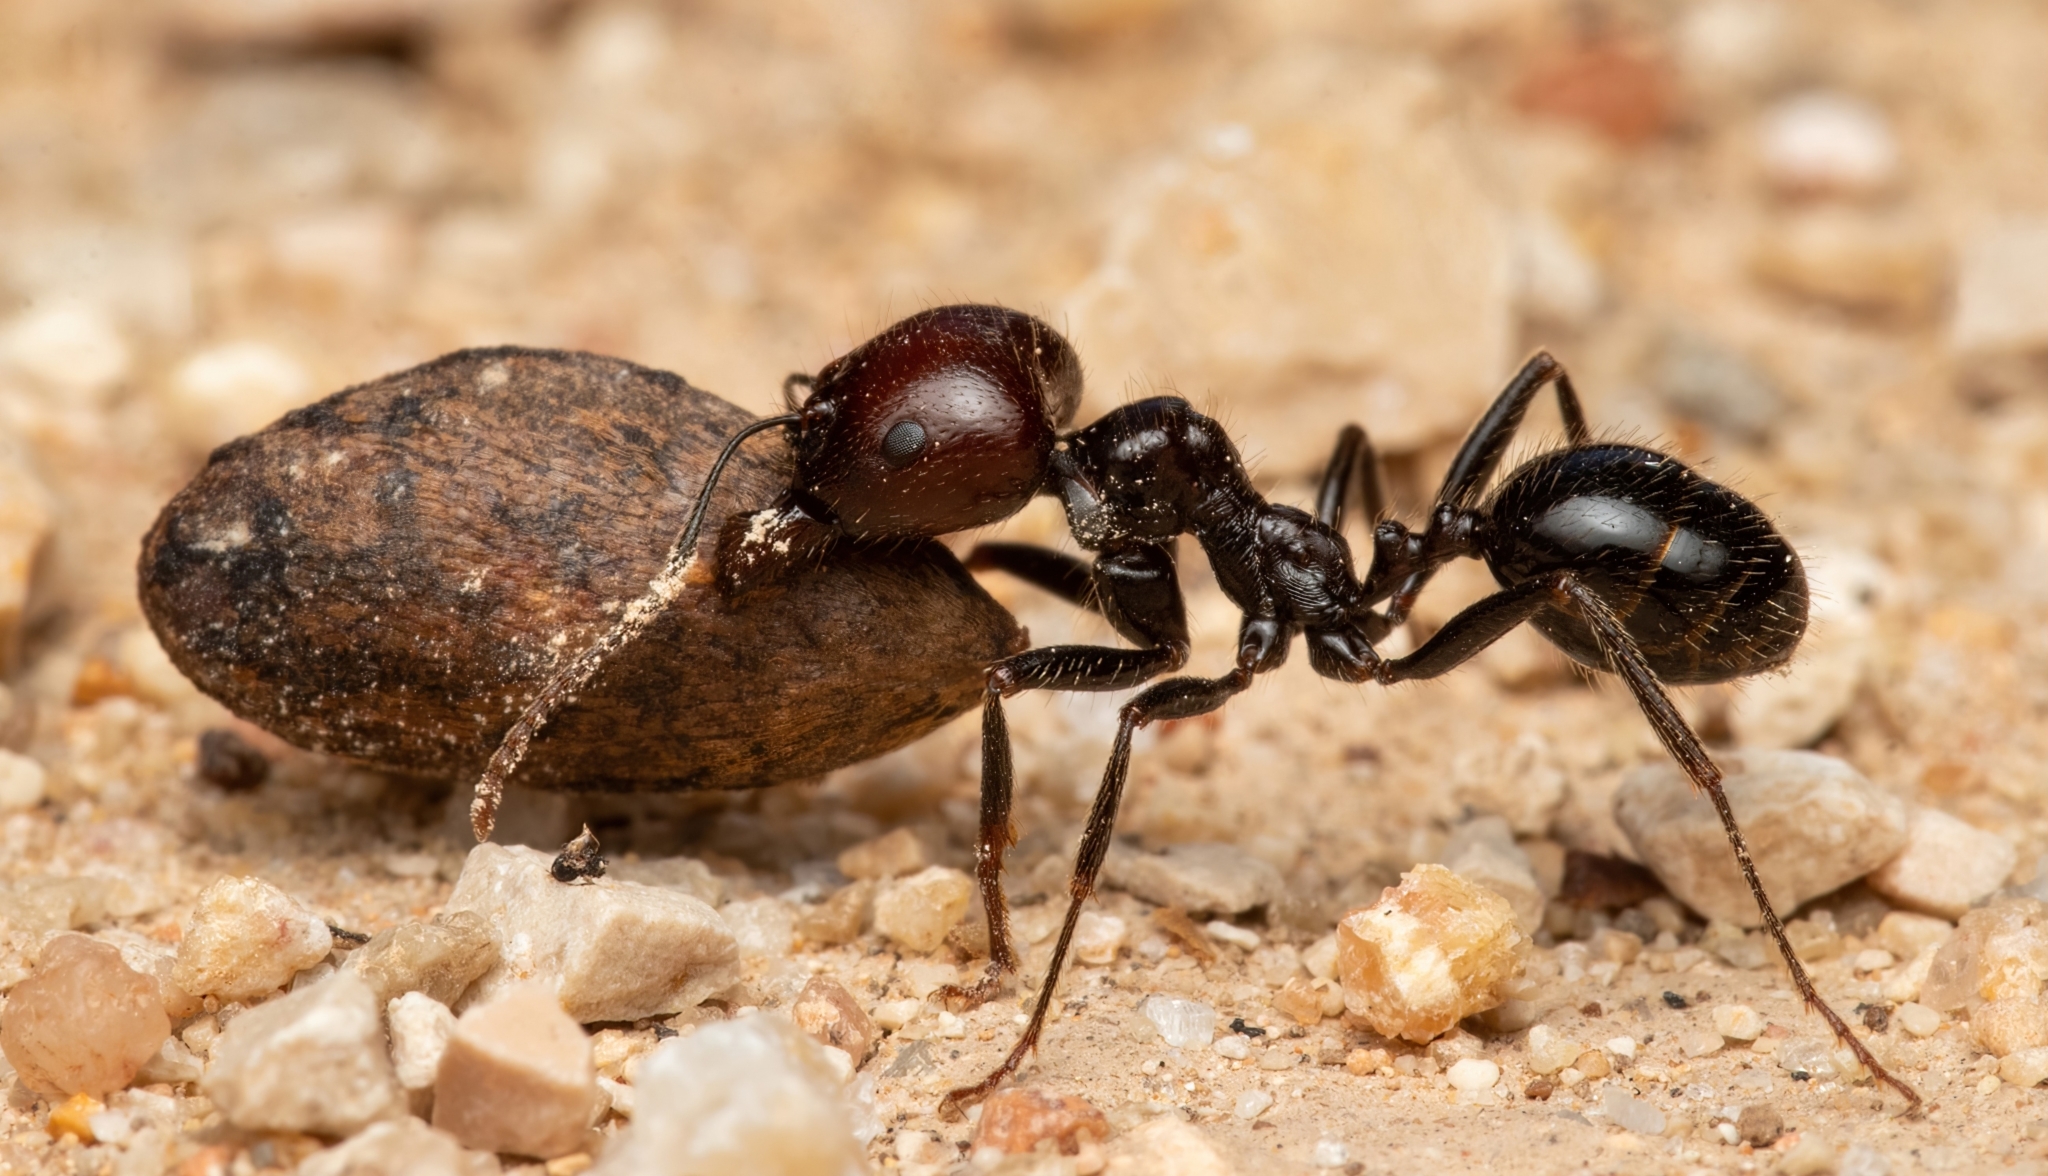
942	422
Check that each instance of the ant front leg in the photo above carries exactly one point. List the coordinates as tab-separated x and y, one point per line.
1354	454
1176	698
1137	589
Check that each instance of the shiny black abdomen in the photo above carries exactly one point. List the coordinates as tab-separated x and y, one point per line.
1704	583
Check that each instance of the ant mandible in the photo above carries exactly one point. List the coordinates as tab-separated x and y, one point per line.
1621	556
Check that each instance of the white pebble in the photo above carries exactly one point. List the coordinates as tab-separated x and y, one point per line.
231	389
1630	1113
1473	1074
1233	934
1098	938
1874	959
895	1014
1918	1019
1232	1046
1251	1104
1181	1023
1738	1022
1330	1153
1729	1135
1825	142
1622	1047
1947	865
22	782
73	350
1321	958
1550	1051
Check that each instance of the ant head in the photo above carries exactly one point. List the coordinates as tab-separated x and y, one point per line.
943	421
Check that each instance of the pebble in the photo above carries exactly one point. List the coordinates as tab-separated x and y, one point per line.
1016	1121
71	349
312	1061
1098	938
1279	1057
420	1029
172	1063
1759	1124
1917	1019
25	531
832	1016
1232	1046
1735	947
232	389
916	912
1809	1157
1703	379
1874	959
83	1022
1738	1022
517	1075
1947	865
2024	1068
892	855
610	950
1232	934
2003	1027
1855	261
1251	1104
1483	850
1699	1043
1434	950
402	1147
1813	824
841	917
2001	298
1473	1074
1166	1146
1592	1064
1321	958
23	781
895	1014
1203	878
1622	1047
1550	1051
1906	935
762	928
247	939
752	1095
1829	143
1630	1113
440	959
1181	1023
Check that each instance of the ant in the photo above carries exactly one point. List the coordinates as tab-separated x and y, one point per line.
1621	556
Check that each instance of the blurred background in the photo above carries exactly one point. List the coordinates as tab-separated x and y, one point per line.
1803	244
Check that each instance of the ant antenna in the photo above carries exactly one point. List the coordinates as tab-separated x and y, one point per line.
560	689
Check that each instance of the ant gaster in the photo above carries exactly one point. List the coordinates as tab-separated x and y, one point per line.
1622	556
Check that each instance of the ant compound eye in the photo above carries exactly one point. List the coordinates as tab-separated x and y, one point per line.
903	443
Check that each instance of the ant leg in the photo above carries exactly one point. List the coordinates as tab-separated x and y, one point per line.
1141	595
1489	438
1353	450
1487	621
1041	567
1176	698
1678	738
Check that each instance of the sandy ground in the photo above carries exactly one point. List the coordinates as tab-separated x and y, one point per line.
1298	215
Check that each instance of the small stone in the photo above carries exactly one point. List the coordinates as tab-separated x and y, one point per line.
26	519
312	1062
1814	938
1809	1157
1473	1074
1321	958
1873	959
83	1022
517	1075
1592	1064
2024	1068
1622	947
1251	1104
1232	1046
752	1095
404	1147
610	950
1182	1023
1300	999
892	855
1738	1022
246	939
762	928
1829	143
232	389
895	1014
2002	1027
1018	1121
420	1029
1206	878
37	906
22	780
1947	865
230	763
1702	379
831	1015
72	350
2001	299
1630	1113
1856	261
1367	1061
841	917
74	1117
1483	850
916	912
1166	1146
173	1063
1699	1043
1735	947
1903	983
1550	1051
1813	824
440	959
1759	1124
1098	938
1279	1058
1232	934
1906	935
1621	1047
1436	949
1917	1019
